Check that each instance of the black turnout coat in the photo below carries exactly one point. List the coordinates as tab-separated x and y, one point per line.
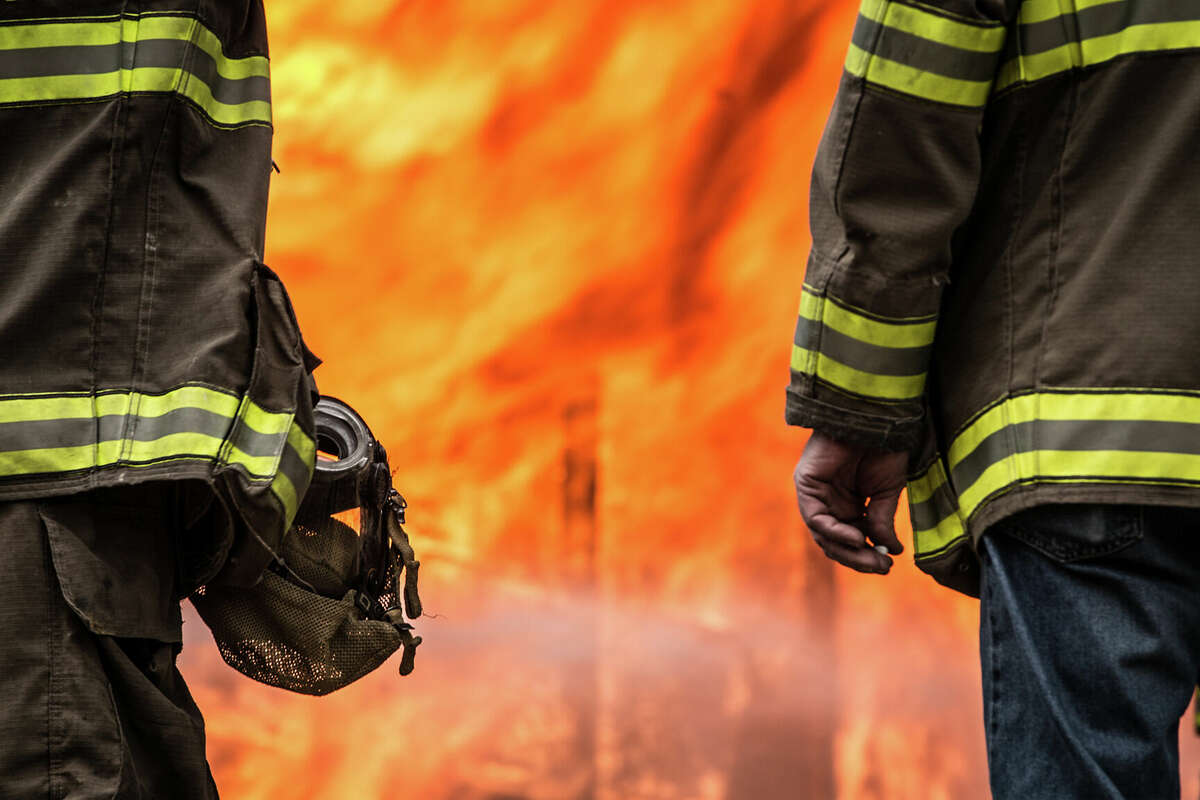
1004	278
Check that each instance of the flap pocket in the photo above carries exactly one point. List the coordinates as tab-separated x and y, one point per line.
116	563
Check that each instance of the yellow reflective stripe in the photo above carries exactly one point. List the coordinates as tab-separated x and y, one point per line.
1114	406
1116	463
77	33
990	421
60	34
1051	465
59	87
50	459
857	61
1141	38
922	488
873	9
37	409
1149	38
1039	65
150	405
107	453
252	416
173	444
232	68
1051	406
257	466
997	476
271	423
142	79
948	530
887	387
1092	466
226	114
304	445
163	79
1041	10
898	333
152	79
932	541
133	406
133	30
188	29
937	28
1013	411
910	80
283	488
804	360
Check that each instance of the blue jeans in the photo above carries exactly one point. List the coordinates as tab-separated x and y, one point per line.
1090	648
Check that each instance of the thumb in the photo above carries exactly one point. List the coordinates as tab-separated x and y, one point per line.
881	521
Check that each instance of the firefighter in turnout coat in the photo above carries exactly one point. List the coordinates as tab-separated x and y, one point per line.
1001	311
156	429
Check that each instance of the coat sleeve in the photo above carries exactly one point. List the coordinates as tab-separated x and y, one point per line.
895	175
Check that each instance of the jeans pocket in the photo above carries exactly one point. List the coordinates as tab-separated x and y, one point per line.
1075	532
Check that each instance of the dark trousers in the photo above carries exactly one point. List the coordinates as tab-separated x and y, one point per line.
1090	647
91	705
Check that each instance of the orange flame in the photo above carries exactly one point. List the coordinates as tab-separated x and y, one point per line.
552	251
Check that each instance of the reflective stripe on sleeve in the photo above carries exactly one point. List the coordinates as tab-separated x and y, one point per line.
871	356
72	60
924	53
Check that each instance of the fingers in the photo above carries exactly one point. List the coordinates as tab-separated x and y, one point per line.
826	507
862	559
825	526
842	541
881	522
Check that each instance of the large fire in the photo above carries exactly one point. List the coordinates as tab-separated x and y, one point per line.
552	252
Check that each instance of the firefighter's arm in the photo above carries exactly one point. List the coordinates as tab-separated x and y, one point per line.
895	175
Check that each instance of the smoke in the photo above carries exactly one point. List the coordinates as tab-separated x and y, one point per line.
503	693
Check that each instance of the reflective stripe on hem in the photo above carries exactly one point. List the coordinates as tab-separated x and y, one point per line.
1139	437
46	435
933	510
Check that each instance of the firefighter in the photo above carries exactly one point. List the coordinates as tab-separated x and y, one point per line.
156	427
1000	312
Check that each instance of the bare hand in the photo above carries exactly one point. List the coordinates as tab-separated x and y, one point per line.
834	481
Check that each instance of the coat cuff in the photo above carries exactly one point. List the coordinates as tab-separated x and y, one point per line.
854	427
